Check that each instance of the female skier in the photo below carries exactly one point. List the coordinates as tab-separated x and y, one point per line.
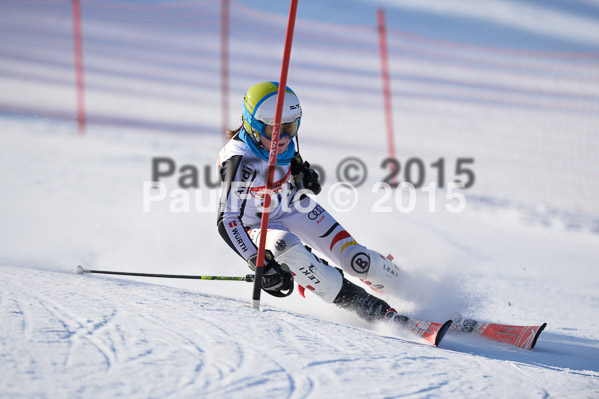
295	219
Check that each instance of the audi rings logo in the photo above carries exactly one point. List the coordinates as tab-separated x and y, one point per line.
316	212
360	262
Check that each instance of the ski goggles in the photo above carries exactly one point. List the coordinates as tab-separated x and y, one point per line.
287	129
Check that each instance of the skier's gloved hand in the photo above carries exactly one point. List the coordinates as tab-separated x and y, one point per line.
310	179
303	173
276	278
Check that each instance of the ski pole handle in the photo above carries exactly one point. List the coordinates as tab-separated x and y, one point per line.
248	277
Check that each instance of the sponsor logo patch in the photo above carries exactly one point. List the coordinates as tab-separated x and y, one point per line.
360	262
280	245
315	213
260	191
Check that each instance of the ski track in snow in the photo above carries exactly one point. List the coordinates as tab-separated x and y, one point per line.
66	335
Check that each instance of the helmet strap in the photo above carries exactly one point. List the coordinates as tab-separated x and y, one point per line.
297	143
262	145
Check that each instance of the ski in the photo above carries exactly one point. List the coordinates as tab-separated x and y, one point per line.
432	332
521	336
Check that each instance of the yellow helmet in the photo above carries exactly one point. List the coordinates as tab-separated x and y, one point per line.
259	106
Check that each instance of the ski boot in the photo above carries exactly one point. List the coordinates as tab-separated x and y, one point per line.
365	305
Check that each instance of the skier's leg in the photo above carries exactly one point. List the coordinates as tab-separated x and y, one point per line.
309	271
321	231
314	274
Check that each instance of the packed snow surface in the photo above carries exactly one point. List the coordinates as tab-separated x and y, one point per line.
69	335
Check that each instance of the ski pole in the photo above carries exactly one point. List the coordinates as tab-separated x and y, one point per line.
248	277
272	159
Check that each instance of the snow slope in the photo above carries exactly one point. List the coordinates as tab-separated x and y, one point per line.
80	336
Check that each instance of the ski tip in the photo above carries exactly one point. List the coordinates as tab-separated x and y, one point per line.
534	341
80	270
442	331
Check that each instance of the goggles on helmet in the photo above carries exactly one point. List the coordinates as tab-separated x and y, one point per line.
260	128
287	129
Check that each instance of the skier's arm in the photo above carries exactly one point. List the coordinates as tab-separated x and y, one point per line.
235	185
236	178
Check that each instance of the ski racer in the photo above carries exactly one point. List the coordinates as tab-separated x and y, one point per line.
297	222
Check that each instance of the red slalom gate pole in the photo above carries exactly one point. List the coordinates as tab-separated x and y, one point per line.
224	64
272	159
386	81
79	64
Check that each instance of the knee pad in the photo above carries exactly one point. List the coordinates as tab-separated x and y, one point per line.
380	273
383	274
354	259
308	269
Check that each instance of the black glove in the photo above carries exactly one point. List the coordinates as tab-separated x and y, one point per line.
276	277
302	172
